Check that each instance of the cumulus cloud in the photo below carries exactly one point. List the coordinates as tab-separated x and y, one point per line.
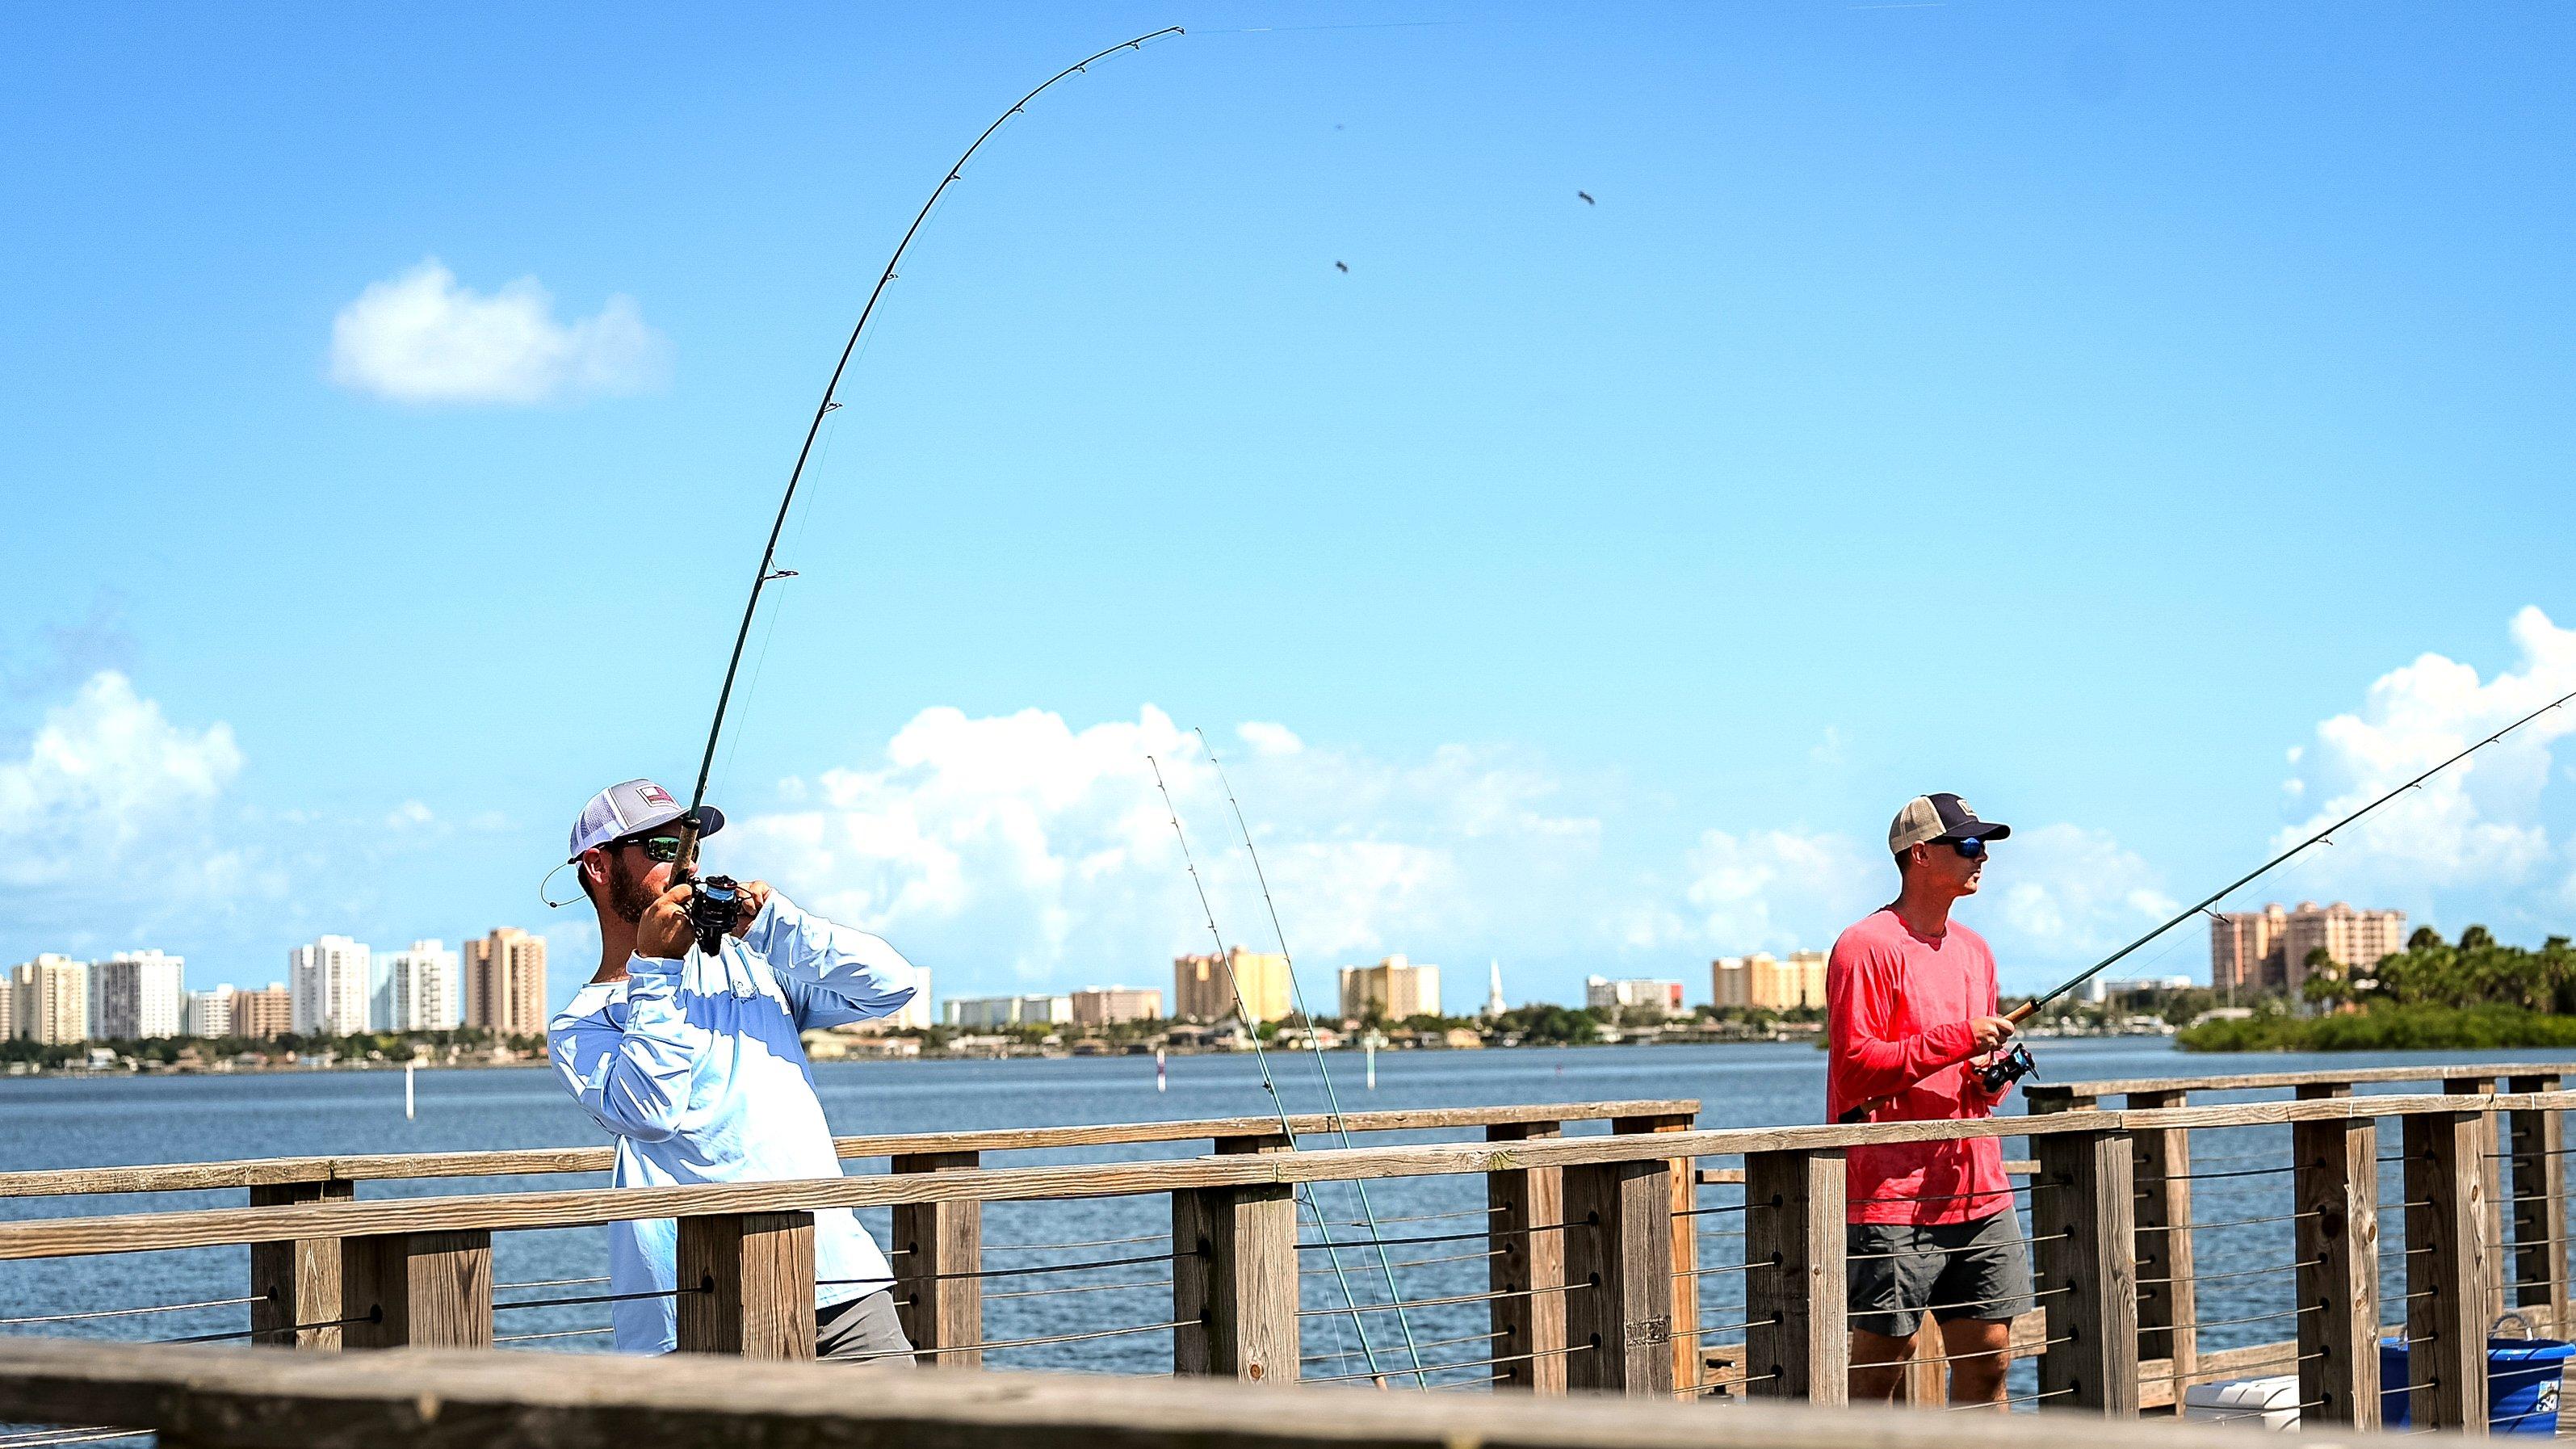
2066	893
105	775
1775	890
1019	848
2478	825
422	338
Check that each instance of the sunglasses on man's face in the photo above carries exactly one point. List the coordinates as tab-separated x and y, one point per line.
1974	847
664	848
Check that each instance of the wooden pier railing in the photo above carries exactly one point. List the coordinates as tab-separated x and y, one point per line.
1592	1224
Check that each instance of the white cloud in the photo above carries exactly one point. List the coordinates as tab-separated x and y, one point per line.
421	338
103	774
2477	825
409	815
2067	894
1018	848
1779	890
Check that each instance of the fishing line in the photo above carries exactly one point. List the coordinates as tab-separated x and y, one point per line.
1261	1058
1332	1097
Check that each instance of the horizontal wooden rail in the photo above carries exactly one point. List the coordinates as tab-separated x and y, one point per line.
143	1232
214	1398
2045	1095
268	1171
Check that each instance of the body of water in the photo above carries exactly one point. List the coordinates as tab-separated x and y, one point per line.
82	1122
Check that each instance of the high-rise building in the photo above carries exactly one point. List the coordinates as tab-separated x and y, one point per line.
1602	994
505	982
330	982
8	1010
209	1014
1765	981
2268	950
261	1014
914	1014
1101	1005
1494	1006
52	1004
1392	990
137	994
420	989
985	1012
1203	987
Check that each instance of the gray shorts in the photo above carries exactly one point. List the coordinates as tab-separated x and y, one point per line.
863	1330
1897	1272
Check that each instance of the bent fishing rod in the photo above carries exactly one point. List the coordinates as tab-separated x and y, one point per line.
2016	1063
712	905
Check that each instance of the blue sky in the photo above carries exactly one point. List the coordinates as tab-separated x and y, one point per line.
2103	412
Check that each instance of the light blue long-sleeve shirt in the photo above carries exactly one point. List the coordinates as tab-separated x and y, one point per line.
697	1068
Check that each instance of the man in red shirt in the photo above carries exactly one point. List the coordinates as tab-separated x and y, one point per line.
1910	1012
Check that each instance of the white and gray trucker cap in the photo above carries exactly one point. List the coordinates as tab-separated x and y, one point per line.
622	810
1928	818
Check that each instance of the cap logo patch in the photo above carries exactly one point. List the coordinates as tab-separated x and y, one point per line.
654	795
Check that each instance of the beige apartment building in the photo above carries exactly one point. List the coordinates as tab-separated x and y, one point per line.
1765	981
505	982
261	1014
1102	1005
51	1002
2268	950
1393	990
1203	987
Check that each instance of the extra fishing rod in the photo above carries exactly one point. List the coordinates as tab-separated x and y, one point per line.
2016	1063
712	905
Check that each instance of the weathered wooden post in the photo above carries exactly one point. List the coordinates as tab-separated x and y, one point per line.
2336	1192
2167	1305
2083	1229
939	1248
746	1285
1687	1357
1799	1346
1619	1277
2449	1266
296	1282
1528	1232
1234	1282
2490	1170
2538	1145
417	1290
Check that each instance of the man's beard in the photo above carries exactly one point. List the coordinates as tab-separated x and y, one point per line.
626	894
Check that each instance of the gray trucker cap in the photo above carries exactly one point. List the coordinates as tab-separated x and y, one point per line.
622	810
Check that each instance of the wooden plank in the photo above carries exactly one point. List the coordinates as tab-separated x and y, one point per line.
1797	1347
142	1232
754	1279
1528	1235
2335	1188
2082	1230
2166	1294
1684	1194
1718	1176
417	1290
231	1398
2491	1174
2261	1081
1234	1283
2538	1143
198	1176
1619	1277
2448	1267
297	1282
937	1245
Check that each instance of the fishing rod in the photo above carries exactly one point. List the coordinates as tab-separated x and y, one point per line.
712	906
1279	1105
2016	1063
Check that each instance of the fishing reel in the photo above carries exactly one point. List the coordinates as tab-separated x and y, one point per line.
2003	1071
714	906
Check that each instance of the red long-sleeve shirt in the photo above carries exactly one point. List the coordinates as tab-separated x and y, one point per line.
1897	1010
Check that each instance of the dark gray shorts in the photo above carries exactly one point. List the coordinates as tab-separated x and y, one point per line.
1897	1272
863	1330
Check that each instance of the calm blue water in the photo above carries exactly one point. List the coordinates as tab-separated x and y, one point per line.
63	1122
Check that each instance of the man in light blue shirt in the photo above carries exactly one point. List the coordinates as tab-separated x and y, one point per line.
694	1062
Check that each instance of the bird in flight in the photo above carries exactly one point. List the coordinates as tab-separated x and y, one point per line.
1587	198
1342	266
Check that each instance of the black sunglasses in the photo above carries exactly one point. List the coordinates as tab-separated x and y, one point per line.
664	848
1974	847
